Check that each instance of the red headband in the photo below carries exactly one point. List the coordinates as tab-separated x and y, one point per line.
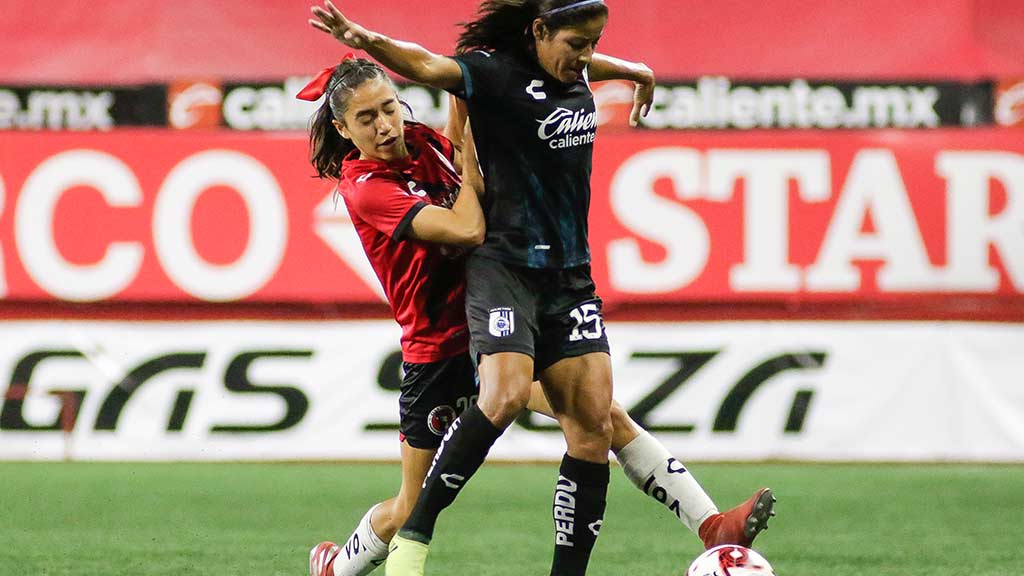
318	85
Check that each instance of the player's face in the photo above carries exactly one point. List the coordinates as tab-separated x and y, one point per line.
373	121
565	52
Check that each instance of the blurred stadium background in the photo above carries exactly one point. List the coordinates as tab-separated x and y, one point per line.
811	254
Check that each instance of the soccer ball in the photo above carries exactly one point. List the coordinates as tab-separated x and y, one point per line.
729	560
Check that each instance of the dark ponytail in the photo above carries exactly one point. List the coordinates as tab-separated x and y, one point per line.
506	25
327	148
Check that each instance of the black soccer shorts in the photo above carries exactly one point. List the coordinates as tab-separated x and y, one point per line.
432	396
547	314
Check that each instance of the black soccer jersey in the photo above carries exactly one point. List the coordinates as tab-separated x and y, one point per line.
535	141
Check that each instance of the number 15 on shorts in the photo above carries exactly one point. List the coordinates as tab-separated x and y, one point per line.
588	323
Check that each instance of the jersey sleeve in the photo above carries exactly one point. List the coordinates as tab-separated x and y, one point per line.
484	75
439	141
385	203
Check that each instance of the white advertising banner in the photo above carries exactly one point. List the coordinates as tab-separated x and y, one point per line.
275	390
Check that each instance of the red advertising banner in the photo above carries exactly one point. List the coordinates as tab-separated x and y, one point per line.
796	216
812	216
879	39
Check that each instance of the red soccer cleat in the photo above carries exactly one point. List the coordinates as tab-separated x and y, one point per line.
740	525
321	559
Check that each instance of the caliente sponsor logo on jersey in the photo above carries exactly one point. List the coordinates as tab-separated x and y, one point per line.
565	128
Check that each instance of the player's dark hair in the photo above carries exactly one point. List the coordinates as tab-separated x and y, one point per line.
327	148
506	25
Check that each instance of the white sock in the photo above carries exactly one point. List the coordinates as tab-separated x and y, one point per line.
363	551
653	470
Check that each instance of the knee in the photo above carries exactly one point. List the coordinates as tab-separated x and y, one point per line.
502	404
620	420
597	417
602	430
624	429
592	434
505	382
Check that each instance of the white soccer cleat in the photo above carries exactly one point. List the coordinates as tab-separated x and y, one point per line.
321	559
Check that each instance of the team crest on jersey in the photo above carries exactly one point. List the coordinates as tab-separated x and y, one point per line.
502	322
440	418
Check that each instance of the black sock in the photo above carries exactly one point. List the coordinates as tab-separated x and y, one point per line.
462	451
578	510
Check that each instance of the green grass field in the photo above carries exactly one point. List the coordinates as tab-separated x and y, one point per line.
260	520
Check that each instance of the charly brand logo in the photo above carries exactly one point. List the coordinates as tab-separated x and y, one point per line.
416	191
453	481
561	129
534	90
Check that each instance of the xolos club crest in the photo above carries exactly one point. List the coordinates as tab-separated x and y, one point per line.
440	418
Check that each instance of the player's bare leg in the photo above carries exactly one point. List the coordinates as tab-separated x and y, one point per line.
367	546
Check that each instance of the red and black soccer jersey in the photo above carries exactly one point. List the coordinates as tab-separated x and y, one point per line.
535	140
424	282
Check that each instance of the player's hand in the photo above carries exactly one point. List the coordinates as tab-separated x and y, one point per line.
330	20
643	96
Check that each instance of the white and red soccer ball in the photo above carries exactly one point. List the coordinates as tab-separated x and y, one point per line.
730	560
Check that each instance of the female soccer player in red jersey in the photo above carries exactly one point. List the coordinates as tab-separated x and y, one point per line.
401	185
571	358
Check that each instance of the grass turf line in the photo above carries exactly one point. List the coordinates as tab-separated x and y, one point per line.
256	519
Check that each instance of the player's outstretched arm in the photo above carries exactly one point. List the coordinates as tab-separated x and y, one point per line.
405	58
604	67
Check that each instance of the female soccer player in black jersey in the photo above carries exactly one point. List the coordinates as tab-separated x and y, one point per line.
524	68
